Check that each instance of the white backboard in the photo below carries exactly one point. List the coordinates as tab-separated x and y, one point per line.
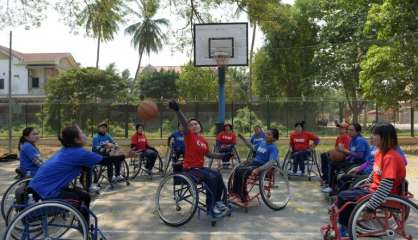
230	38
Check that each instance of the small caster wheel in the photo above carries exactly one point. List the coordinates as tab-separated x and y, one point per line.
178	208
128	183
213	223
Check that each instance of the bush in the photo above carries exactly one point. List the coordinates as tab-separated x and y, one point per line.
245	120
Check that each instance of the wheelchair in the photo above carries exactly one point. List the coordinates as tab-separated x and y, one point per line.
272	185
396	218
233	158
137	163
9	196
311	163
172	158
179	197
51	219
100	174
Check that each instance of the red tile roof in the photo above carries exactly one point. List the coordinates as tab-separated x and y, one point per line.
31	58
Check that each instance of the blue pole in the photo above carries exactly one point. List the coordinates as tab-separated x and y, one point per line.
221	102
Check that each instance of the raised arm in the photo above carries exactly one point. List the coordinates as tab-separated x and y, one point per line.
180	115
246	142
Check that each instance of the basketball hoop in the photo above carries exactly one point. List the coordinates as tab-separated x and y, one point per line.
221	58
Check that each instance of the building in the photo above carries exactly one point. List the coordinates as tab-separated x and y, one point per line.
30	73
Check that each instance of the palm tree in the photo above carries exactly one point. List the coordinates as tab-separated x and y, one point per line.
101	20
147	35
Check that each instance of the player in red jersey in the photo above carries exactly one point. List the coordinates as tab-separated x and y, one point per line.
226	141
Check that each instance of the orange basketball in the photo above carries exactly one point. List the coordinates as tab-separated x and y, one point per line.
147	110
336	155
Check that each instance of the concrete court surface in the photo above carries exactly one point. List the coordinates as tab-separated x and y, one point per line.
126	212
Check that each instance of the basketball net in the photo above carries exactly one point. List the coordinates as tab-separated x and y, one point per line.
221	58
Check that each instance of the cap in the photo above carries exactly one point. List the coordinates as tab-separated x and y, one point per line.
102	124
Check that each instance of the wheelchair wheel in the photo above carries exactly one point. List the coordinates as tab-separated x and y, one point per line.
168	169
360	181
176	200
136	163
9	196
48	220
274	188
400	222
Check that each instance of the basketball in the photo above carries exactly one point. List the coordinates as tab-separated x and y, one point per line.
336	155
147	110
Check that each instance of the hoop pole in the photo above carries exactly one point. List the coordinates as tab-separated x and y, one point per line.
9	122
221	102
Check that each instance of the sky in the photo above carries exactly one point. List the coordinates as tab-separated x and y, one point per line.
54	36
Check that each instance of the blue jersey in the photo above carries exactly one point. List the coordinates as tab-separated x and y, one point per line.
178	141
256	140
99	141
266	152
370	160
359	149
28	152
56	173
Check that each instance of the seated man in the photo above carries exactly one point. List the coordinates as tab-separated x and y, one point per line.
53	177
258	136
300	141
266	155
103	144
226	141
139	144
178	143
388	174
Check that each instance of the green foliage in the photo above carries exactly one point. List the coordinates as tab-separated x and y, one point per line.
157	84
17	13
71	94
197	83
390	70
245	120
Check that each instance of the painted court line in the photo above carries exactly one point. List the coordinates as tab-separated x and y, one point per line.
279	234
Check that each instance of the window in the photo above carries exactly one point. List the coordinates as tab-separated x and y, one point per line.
35	82
1	83
16	76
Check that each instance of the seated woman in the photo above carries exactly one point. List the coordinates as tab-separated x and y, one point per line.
53	177
226	141
266	154
357	154
103	144
30	158
300	144
388	174
139	144
196	148
342	141
178	142
258	136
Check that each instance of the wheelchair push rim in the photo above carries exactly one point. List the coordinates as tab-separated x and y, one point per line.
50	220
390	223
176	200
274	188
8	198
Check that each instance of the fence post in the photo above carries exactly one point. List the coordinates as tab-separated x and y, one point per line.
412	119
287	118
26	114
126	120
341	111
377	112
42	120
59	117
268	112
232	112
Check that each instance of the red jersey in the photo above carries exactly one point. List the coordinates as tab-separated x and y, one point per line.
344	139
299	141
139	141
195	150
392	166
226	138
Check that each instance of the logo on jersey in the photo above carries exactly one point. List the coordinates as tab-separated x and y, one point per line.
299	140
227	137
180	139
201	145
261	150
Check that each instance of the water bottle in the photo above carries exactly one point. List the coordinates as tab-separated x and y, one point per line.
31	201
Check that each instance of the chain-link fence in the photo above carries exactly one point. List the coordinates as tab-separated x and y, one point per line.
320	116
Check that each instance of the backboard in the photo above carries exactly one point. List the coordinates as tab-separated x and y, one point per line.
226	39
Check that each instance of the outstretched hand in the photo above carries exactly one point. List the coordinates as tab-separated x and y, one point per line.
173	105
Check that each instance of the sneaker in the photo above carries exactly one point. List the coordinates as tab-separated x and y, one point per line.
292	174
94	189
216	211
220	205
119	178
326	190
299	173
113	178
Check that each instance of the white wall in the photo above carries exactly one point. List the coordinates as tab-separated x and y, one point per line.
19	83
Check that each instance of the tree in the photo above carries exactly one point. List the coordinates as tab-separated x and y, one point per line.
197	83
147	34
390	70
75	94
17	12
156	84
343	47
101	19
